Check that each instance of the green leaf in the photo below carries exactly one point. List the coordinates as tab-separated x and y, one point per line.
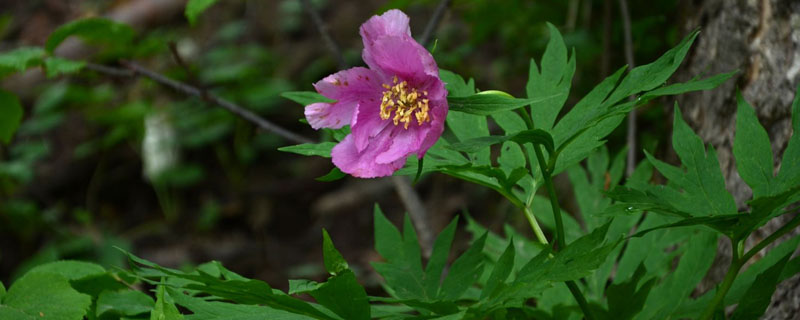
486	104
322	149
11	110
553	81
333	175
455	84
760	292
692	85
789	175
751	147
666	296
464	271
2	291
298	286
164	310
403	269
536	136
700	190
468	126
93	30
626	299
233	287
55	66
334	262
7	312
45	295
306	97
502	269
195	7
72	270
649	76
344	296
438	259
21	59
123	303
215	310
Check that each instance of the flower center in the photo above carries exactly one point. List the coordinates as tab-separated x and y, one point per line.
404	102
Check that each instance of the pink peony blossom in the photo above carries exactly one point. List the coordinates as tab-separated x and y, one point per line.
395	107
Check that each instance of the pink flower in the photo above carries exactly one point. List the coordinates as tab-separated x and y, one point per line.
395	108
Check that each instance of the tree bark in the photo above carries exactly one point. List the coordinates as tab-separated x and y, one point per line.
761	39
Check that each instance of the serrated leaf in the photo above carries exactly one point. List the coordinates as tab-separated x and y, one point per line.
486	104
334	262
237	289
215	310
403	269
751	147
438	259
464	272
123	303
93	30
760	293
306	97
626	299
553	81
11	110
45	295
502	269
322	149
21	58
649	76
55	66
666	296
455	84
196	7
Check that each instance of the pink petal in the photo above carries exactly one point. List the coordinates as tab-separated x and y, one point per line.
362	164
349	87
400	56
352	84
367	124
329	115
403	142
391	23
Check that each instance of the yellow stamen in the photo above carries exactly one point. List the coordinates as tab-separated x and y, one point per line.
404	102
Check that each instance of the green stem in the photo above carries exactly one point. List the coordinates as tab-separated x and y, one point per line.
559	232
535	225
739	261
733	271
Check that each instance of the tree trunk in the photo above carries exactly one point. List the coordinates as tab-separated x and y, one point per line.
761	39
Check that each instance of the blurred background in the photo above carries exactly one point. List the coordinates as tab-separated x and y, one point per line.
101	162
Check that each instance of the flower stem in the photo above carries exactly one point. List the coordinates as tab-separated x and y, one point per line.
739	261
559	232
535	225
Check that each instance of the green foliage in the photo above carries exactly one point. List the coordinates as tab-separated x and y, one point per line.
11	110
93	30
322	149
55	66
306	97
20	59
196	7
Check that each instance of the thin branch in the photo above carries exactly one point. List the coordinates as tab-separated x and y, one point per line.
324	31
416	210
430	28
626	25
134	69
